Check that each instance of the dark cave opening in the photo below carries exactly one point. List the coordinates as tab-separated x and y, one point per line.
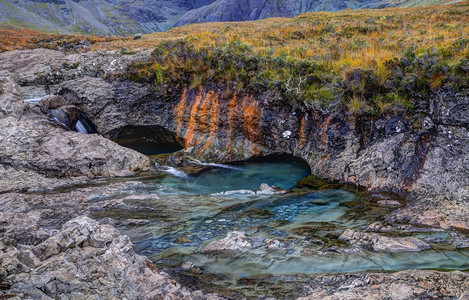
148	140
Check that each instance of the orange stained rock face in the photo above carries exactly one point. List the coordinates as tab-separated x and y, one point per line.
203	117
231	118
189	136
179	112
203	114
302	140
214	119
252	118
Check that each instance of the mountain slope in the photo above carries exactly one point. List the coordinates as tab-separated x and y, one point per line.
117	17
244	10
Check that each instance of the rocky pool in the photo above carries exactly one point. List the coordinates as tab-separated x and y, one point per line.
271	224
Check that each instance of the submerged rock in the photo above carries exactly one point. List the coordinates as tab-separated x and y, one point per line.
378	242
235	240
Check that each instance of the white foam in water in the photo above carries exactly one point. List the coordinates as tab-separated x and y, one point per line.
172	171
234	193
80	128
215	165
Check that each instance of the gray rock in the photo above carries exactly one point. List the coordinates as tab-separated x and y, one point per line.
86	259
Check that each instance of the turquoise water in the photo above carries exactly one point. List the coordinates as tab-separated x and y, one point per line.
240	176
191	212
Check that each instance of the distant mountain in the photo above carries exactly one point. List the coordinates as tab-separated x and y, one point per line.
245	10
126	17
117	17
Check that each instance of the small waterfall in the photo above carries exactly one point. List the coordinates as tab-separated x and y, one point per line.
59	122
87	124
80	128
196	161
171	170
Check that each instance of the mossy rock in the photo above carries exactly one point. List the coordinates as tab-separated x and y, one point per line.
313	182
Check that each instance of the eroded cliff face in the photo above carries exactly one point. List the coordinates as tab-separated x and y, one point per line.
392	152
423	155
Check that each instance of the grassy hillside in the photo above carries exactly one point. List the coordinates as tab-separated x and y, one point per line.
367	60
17	39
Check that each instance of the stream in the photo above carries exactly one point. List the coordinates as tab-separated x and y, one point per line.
292	232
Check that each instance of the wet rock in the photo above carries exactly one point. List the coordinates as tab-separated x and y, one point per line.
265	189
378	242
395	125
187	266
235	240
273	245
67	116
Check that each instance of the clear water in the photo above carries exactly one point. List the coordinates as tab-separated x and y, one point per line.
191	213
240	176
